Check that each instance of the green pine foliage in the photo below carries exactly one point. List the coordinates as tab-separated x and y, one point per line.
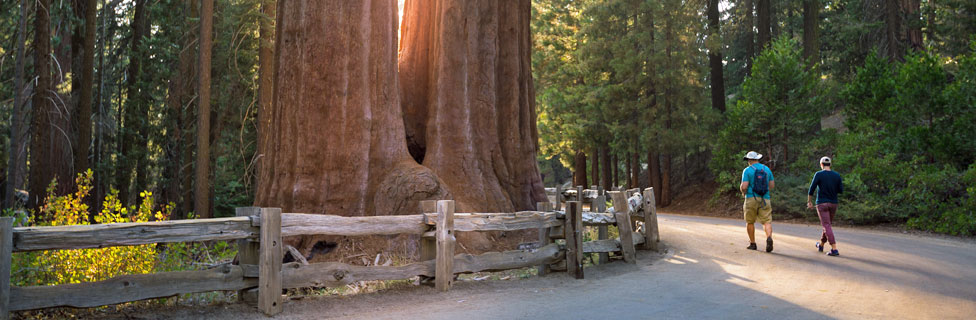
911	145
777	116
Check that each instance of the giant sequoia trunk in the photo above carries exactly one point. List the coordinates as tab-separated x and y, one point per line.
338	143
467	90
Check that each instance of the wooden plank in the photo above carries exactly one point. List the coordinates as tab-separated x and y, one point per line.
129	288
269	262
650	221
334	274
579	194
543	269
557	232
592	218
428	245
247	250
444	274
623	225
296	224
606	246
655	231
601	230
559	197
131	234
574	238
598	218
6	254
515	259
501	221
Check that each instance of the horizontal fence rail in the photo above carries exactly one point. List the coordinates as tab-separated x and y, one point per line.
130	288
258	232
131	234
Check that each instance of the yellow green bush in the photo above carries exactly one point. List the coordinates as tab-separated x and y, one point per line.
55	267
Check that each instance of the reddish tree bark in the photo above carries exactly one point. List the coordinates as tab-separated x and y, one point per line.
579	169
607	181
337	137
615	166
479	128
750	36
50	151
764	23
201	194
265	78
628	168
811	31
912	12
595	168
892	31
17	149
715	59
637	168
85	83
654	166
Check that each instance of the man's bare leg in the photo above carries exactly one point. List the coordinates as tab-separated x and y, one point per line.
751	230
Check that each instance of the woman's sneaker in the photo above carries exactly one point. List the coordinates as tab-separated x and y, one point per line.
819	246
752	246
833	253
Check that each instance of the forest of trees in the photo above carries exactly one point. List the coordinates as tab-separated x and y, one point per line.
123	92
184	98
670	94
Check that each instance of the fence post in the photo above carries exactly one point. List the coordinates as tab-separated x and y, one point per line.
428	245
600	206
559	196
6	252
651	236
269	268
574	238
444	266
543	235
579	194
621	212
247	252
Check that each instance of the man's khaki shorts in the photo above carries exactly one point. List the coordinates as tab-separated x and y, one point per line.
752	211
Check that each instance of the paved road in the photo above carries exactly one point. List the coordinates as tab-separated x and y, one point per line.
705	273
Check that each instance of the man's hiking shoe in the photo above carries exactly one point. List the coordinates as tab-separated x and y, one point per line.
752	246
833	253
769	244
819	246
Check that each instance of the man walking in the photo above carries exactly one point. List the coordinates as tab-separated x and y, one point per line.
828	184
757	181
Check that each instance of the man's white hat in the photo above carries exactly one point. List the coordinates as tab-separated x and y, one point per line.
825	160
752	155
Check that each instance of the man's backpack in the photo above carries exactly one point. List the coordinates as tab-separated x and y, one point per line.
760	183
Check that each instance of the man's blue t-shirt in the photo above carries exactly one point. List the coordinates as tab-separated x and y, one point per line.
749	174
827	184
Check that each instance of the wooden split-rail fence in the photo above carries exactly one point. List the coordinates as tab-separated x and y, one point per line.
261	276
